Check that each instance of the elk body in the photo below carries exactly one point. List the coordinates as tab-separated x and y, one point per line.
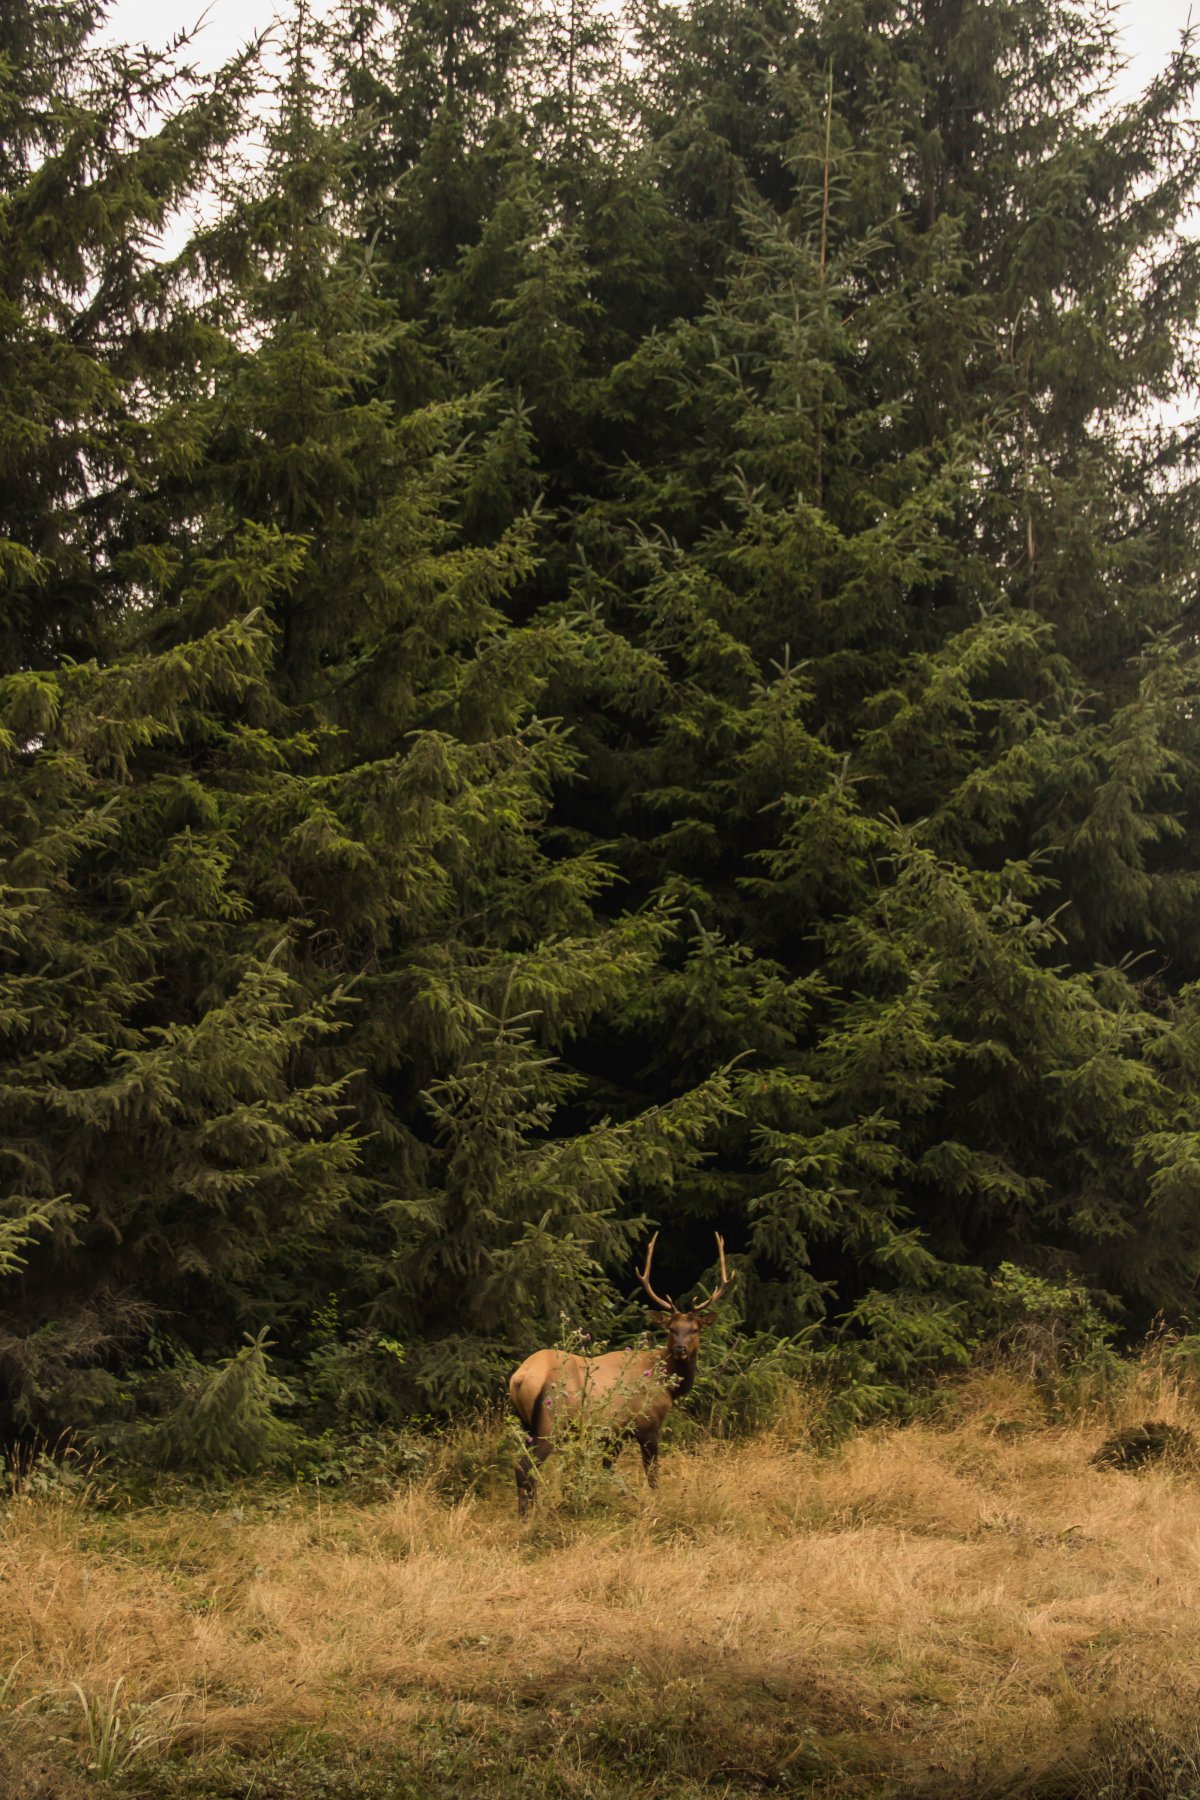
628	1393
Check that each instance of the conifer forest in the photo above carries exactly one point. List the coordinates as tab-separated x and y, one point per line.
600	633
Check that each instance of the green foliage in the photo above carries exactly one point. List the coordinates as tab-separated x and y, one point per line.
748	1381
1054	1333
591	650
224	1419
350	1377
371	1463
23	1228
90	320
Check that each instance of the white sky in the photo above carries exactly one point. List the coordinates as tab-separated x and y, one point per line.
1151	27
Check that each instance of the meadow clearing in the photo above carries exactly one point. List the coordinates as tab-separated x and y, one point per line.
963	1607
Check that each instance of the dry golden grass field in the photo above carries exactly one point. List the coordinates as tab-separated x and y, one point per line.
960	1610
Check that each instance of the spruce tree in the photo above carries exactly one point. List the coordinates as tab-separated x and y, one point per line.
878	689
480	951
567	585
89	312
299	820
160	1134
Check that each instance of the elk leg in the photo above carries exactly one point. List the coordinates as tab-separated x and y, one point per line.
537	1449
649	1448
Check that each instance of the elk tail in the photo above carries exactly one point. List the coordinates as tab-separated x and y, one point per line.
539	1414
535	1418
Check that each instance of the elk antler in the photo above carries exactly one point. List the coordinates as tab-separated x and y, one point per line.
726	1279
644	1278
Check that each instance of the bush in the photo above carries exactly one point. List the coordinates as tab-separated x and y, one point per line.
1055	1335
224	1421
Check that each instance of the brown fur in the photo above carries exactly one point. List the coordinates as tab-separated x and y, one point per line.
630	1392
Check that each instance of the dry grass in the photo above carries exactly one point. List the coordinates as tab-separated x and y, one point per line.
970	1610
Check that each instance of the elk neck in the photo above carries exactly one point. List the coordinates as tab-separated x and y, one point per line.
679	1370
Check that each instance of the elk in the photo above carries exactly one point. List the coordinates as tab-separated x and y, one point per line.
630	1391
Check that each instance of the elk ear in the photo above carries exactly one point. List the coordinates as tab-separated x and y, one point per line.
660	1318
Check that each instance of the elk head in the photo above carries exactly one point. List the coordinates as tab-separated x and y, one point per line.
684	1324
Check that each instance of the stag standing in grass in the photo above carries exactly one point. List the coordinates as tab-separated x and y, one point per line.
630	1392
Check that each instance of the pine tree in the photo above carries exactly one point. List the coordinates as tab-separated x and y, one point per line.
429	87
541	295
589	649
163	1128
157	1129
288	958
88	313
877	690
